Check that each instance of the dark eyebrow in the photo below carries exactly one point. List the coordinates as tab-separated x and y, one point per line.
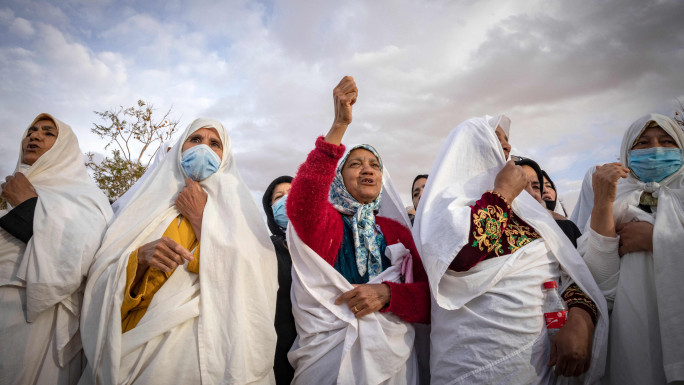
48	128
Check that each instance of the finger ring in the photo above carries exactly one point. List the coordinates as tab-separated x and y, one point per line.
355	309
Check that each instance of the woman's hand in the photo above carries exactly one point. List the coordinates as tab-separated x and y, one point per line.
344	96
604	182
365	299
190	202
163	254
635	236
571	347
17	189
510	181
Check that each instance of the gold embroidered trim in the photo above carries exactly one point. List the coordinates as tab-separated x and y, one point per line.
500	196
519	235
488	224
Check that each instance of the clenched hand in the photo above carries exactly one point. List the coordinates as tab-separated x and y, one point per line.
365	299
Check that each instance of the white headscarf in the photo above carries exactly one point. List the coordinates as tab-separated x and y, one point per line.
668	239
464	169
238	283
120	203
69	221
502	121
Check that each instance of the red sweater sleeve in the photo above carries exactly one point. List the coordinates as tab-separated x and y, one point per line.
314	219
409	301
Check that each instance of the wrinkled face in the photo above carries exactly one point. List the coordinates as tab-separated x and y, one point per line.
361	175
417	191
280	190
549	193
654	137
503	139
533	186
38	140
205	135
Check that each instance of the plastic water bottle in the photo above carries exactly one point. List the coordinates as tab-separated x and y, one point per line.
554	308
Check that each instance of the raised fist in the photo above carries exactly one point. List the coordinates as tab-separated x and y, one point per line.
604	182
344	96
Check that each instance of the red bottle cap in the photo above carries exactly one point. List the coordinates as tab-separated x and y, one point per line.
550	285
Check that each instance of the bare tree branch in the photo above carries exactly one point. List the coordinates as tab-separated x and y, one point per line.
133	130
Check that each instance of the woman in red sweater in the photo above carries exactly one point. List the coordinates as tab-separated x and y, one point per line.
333	213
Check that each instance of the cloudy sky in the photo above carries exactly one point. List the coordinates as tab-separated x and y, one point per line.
572	75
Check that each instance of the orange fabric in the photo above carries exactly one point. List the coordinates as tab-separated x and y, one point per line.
134	306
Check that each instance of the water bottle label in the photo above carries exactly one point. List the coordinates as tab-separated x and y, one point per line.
555	319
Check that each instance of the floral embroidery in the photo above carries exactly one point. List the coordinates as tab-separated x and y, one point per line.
488	224
519	235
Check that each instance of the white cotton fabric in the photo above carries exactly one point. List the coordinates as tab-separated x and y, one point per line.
481	332
644	288
120	203
333	346
41	281
502	121
215	328
585	203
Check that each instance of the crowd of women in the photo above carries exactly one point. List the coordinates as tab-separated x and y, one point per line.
347	289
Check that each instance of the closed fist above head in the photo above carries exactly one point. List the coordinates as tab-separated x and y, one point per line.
344	96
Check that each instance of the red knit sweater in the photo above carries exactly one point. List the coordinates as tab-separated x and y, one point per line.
320	226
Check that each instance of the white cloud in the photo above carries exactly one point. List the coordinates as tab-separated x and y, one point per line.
22	27
572	76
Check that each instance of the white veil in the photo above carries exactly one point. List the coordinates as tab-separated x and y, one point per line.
238	282
466	167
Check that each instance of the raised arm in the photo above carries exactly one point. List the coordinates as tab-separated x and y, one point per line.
600	248
316	221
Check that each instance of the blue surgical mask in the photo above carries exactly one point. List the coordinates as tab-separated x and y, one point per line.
655	164
199	162
280	213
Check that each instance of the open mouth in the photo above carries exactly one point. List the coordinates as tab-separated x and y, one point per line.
367	181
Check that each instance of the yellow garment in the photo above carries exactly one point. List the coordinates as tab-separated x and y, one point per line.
134	307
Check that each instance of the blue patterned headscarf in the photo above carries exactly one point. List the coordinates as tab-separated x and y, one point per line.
363	219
